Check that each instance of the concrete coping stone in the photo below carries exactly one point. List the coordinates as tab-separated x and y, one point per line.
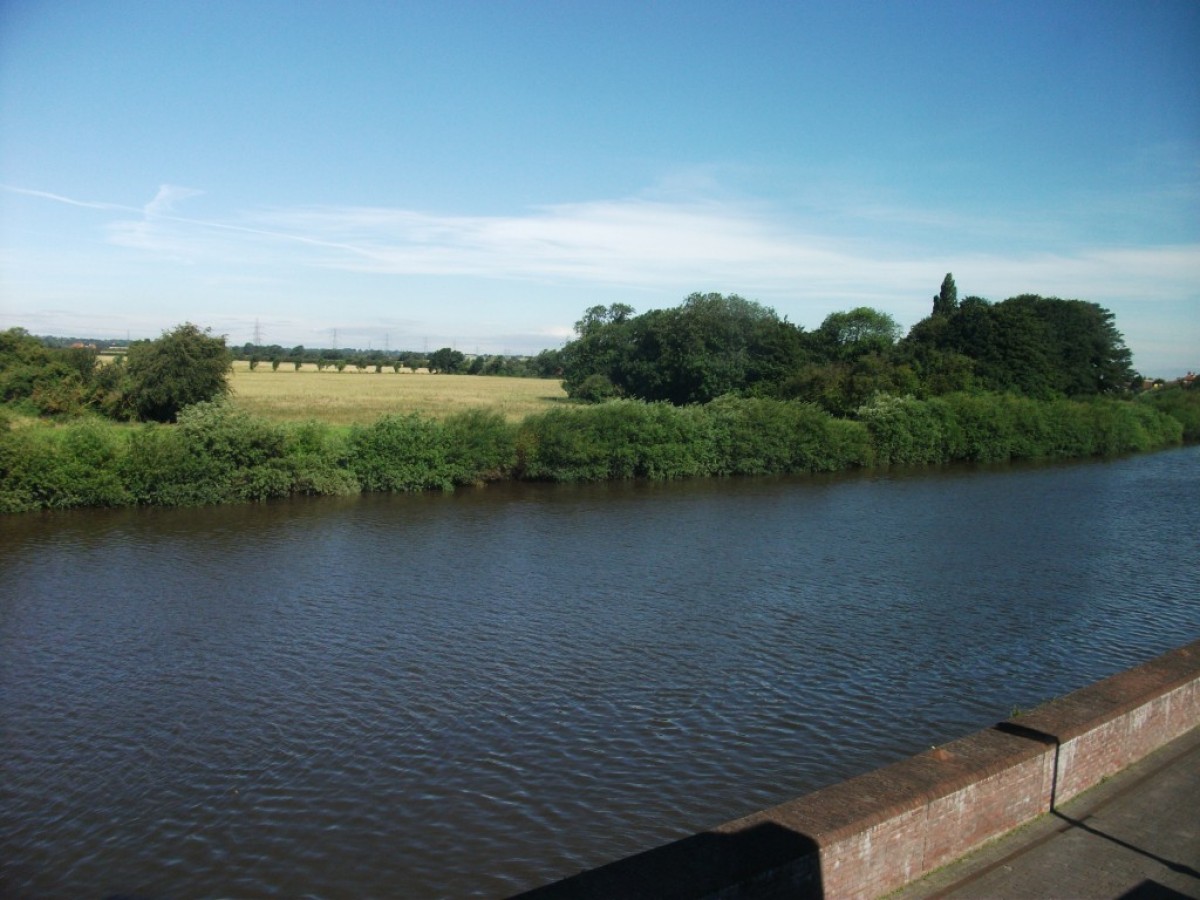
782	845
840	811
1066	718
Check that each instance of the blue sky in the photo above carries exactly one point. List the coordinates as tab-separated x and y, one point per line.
477	174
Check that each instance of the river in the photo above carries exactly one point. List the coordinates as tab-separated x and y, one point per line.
475	693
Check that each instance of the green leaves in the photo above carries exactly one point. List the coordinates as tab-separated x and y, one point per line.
183	367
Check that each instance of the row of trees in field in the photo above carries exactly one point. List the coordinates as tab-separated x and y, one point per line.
445	360
712	345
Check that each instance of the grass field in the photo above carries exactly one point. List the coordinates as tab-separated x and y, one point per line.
344	398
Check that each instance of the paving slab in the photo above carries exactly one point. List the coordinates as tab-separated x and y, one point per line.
1134	836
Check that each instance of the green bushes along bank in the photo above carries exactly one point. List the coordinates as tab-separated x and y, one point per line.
217	454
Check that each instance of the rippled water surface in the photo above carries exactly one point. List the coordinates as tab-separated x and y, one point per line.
473	694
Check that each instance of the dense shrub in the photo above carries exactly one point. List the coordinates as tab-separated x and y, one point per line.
730	436
999	427
43	468
318	460
905	430
400	453
618	439
1181	404
480	446
758	436
217	454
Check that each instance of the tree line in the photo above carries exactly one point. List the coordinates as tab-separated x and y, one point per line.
445	360
711	345
717	386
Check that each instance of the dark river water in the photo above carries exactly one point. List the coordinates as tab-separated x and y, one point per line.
472	694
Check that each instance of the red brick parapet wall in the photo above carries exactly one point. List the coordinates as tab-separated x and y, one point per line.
875	833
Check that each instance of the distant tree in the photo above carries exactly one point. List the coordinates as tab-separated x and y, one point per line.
446	360
184	366
275	364
547	364
845	335
297	362
340	365
946	300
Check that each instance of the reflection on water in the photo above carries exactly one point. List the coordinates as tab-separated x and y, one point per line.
476	693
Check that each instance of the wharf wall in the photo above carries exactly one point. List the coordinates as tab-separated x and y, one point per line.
875	833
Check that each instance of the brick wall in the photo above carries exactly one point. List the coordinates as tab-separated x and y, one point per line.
875	833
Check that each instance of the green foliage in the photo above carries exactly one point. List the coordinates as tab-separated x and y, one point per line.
845	335
760	436
730	436
184	366
595	388
709	346
945	301
57	468
400	453
1036	346
905	430
842	386
447	360
614	440
45	381
1180	403
480	446
318	460
1001	427
216	454
412	453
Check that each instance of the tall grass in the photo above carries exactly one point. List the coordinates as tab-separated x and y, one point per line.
360	398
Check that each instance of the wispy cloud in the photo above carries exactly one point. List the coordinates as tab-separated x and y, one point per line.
635	242
166	198
662	245
69	201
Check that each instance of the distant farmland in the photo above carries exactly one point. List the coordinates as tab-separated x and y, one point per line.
343	398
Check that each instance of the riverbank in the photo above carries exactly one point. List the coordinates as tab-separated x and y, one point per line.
220	454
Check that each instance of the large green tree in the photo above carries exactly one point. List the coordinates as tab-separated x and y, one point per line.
447	360
709	346
184	366
1031	345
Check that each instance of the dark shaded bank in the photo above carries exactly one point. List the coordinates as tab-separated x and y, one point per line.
217	454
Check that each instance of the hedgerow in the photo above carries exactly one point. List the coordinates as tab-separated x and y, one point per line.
216	453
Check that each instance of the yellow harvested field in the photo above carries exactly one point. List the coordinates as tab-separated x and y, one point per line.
344	398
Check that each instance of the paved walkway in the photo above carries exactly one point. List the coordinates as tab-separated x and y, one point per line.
1133	837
